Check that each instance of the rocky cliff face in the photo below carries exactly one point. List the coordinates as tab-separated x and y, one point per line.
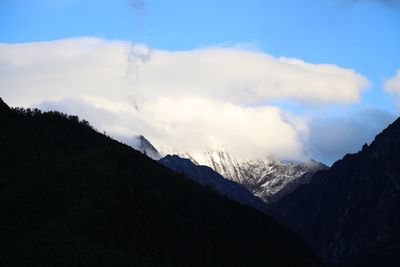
268	178
350	214
271	179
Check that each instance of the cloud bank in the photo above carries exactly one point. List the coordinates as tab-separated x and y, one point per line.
208	98
332	138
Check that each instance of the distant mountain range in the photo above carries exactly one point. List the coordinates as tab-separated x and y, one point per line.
269	179
71	196
350	214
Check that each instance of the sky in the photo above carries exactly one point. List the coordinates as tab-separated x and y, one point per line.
292	79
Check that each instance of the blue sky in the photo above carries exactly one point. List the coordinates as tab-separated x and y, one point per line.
361	35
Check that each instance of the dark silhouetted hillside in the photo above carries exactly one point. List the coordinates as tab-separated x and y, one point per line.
206	176
70	196
350	214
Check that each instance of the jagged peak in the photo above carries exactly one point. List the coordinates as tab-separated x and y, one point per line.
145	141
392	130
142	144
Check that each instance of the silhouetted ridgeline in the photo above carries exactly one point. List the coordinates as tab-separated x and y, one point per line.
70	196
350	214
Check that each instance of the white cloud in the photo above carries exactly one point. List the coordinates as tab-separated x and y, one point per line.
193	123
247	77
188	99
393	84
86	67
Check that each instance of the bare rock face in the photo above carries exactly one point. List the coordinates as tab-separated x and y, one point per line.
268	179
350	214
271	179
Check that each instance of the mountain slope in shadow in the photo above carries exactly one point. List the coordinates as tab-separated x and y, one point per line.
206	176
350	214
70	196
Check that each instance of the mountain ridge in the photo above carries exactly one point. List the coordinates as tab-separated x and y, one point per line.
268	179
349	214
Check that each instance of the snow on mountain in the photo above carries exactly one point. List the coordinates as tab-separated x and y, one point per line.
220	161
268	179
143	145
271	179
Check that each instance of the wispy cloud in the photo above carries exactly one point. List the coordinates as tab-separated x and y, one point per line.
392	85
138	7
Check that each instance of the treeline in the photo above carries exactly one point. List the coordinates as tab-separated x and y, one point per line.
35	112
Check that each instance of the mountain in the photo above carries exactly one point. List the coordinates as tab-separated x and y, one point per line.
220	161
206	176
143	145
350	214
271	179
70	196
268	179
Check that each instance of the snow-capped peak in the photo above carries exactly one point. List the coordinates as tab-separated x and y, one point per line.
143	145
267	178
